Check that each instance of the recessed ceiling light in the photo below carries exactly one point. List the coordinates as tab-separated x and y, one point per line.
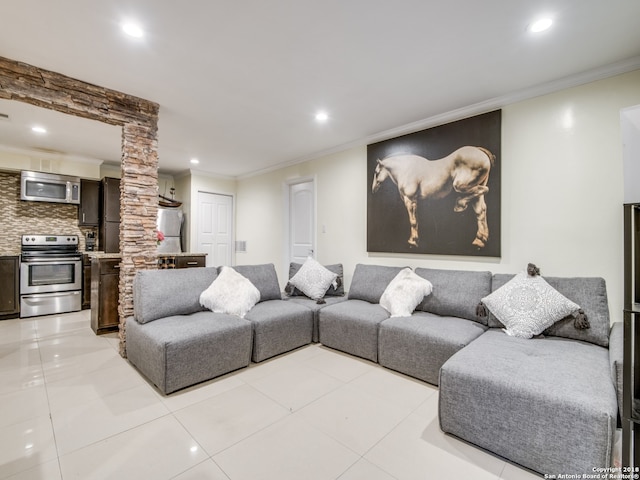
322	116
38	129
195	161
540	25
133	30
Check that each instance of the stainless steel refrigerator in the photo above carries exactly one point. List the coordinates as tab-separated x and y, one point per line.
170	222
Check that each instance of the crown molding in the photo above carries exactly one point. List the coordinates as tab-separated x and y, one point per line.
485	106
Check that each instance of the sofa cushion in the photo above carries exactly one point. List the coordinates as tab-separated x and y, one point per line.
527	305
456	293
369	282
279	326
264	277
352	326
230	293
315	307
337	290
547	404
588	292
420	344
155	292
313	279
182	350
404	293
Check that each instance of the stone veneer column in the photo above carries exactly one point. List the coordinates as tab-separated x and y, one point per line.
139	184
138	212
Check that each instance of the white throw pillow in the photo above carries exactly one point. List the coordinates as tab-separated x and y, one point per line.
528	305
230	293
313	279
404	293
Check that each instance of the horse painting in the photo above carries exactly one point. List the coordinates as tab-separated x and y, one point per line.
465	172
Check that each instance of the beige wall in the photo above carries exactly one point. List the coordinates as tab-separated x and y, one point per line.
561	194
187	188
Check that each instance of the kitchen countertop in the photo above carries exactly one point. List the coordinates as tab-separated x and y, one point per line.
100	254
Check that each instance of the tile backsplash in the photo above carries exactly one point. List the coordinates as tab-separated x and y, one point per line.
18	217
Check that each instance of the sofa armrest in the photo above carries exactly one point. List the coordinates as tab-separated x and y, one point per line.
616	356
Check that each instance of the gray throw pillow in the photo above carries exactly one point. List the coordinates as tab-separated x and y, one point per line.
313	279
336	268
527	305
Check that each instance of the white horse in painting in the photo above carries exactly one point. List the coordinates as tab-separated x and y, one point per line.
465	171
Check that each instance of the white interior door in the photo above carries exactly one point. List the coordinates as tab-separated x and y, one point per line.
302	220
215	228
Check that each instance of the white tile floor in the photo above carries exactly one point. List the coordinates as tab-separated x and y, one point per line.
71	407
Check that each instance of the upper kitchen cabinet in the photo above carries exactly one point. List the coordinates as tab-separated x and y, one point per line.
89	210
111	199
109	229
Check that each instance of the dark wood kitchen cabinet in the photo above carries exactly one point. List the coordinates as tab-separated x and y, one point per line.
105	276
9	287
109	229
89	209
190	261
86	281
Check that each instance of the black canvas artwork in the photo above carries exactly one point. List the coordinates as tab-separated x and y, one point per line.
437	191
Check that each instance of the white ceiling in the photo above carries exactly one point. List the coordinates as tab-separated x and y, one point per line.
239	82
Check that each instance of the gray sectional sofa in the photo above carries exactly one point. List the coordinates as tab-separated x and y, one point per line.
549	404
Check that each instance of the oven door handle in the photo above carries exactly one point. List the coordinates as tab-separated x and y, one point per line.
39	297
52	260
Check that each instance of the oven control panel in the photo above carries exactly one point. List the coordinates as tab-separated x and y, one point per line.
49	240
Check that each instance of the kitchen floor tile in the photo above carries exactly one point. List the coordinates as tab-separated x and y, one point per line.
45	471
20	405
26	445
20	356
76	391
160	449
287	450
355	418
98	419
417	448
20	379
70	365
364	470
296	386
223	420
198	393
207	470
339	365
395	387
17	330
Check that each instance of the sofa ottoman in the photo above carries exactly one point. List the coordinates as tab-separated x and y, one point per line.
547	404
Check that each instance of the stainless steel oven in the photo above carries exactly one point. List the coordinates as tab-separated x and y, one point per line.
50	275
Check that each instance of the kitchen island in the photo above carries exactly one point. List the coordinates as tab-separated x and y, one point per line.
105	278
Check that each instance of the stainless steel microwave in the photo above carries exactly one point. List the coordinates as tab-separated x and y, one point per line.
49	187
